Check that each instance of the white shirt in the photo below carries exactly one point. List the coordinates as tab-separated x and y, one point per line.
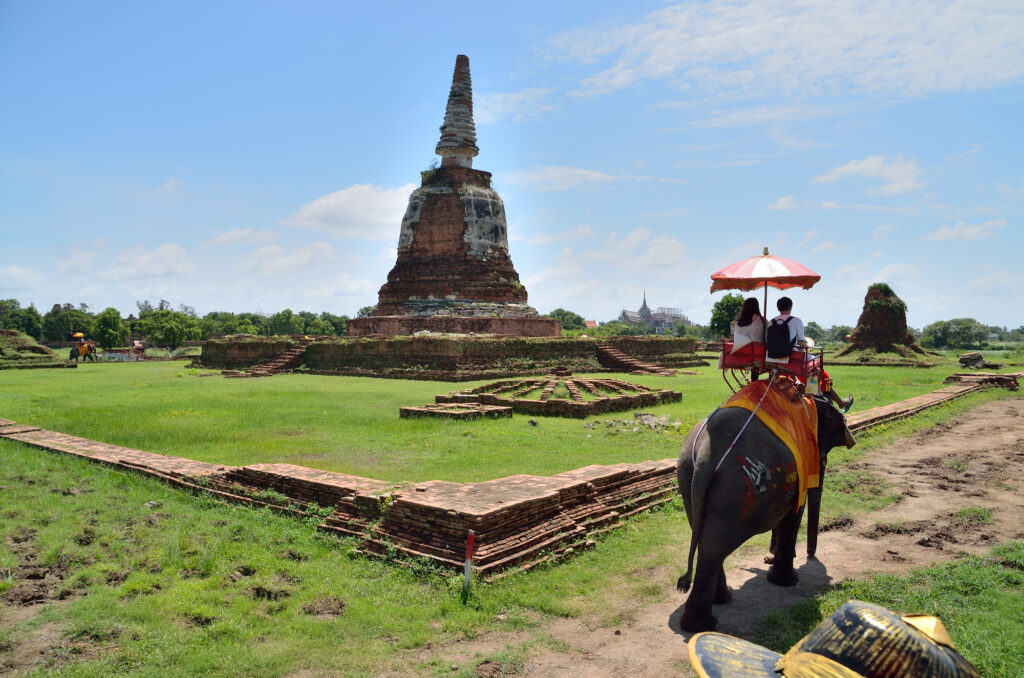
748	334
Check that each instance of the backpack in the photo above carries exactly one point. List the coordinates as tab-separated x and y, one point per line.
778	342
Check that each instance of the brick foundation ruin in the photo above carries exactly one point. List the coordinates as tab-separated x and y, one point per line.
563	396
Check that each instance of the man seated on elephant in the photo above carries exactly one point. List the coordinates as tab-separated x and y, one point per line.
797	338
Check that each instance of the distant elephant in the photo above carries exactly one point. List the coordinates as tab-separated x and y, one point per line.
748	494
74	354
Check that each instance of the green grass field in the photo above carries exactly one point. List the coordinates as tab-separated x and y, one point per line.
189	586
351	424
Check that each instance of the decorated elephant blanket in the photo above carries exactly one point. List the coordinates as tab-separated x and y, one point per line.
796	425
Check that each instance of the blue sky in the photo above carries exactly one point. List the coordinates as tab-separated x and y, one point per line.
256	156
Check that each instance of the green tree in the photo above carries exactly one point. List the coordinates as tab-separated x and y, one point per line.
14	317
615	328
723	313
285	322
814	331
839	333
955	333
319	326
569	320
365	311
169	329
63	321
339	322
108	329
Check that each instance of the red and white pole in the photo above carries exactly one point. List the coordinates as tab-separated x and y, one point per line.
468	569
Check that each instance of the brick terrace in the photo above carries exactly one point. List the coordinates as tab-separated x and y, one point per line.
520	521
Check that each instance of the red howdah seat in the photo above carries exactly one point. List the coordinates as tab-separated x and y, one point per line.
801	362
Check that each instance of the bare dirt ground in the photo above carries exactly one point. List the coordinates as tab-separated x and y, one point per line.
976	460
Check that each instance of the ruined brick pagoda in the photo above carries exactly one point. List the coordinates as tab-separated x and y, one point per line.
453	273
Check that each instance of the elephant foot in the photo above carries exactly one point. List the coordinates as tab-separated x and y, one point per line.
781	577
723	594
698	622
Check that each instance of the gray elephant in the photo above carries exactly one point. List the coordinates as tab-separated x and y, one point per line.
752	491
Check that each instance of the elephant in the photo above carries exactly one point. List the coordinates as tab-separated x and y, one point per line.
748	494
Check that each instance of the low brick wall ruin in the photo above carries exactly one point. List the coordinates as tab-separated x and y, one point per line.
238	352
446	358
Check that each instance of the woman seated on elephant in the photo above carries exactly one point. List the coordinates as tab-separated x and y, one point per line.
749	325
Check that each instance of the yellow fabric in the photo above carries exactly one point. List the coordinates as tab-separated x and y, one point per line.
795	424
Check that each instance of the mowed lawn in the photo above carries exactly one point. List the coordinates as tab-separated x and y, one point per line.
351	424
144	579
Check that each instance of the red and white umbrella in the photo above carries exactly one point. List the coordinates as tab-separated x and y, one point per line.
767	270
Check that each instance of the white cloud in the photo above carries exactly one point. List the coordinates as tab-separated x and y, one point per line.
273	260
900	175
786	202
679	212
809	237
77	262
827	245
136	262
527	104
850	270
580	233
1007	281
14	277
964	231
773	47
884	230
1007	189
360	211
781	136
239	236
556	178
170	186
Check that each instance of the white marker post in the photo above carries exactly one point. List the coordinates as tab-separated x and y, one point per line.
467	571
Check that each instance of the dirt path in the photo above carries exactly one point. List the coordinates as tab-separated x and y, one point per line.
976	460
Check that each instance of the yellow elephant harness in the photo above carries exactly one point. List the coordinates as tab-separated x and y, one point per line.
795	423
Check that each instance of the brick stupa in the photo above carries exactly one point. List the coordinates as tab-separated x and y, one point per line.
453	273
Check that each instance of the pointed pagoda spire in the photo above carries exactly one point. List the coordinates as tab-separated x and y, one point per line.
645	311
458	133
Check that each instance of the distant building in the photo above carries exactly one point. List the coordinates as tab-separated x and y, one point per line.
590	324
663	320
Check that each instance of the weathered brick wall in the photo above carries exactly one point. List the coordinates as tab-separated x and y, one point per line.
408	325
450	354
231	353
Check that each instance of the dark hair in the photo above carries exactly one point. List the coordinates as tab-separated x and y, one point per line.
784	304
749	309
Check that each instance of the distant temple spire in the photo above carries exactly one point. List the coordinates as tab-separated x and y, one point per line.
645	311
457	146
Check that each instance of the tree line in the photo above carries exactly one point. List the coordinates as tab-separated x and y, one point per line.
958	333
159	324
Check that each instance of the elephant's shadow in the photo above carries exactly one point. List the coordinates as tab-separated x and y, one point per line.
756	596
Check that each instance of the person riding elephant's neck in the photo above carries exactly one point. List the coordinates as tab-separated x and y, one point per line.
796	333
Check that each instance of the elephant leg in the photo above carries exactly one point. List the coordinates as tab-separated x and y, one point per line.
723	594
782	573
697	611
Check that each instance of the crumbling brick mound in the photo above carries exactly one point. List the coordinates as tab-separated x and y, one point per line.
882	325
19	351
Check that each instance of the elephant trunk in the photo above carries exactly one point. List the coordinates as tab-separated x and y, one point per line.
813	514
